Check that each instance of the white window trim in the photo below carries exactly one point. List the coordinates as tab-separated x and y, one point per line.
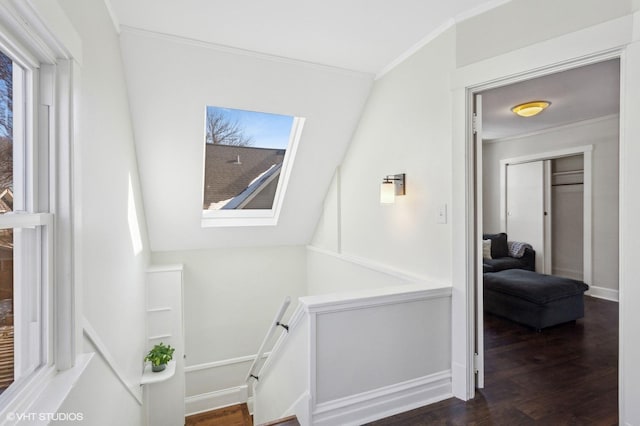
263	217
24	35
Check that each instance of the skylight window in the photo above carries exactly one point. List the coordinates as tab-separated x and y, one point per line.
247	162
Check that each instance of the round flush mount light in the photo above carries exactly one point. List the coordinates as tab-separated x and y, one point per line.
530	109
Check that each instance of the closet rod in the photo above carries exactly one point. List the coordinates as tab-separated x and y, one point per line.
567	184
568	172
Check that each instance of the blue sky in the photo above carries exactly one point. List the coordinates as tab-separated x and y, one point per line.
267	130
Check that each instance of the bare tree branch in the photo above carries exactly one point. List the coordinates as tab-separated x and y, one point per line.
6	122
6	96
6	164
222	131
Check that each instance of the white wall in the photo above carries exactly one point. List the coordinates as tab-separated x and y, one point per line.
603	135
112	250
170	82
230	298
500	30
328	272
99	398
404	129
327	233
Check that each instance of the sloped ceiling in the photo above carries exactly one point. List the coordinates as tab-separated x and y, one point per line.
315	60
170	83
362	35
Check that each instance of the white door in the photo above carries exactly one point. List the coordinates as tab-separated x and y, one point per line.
479	343
525	206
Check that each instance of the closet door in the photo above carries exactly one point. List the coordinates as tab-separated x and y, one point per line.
525	206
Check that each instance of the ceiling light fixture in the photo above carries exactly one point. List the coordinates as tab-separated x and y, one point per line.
530	109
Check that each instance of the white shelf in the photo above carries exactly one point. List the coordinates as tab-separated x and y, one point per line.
149	377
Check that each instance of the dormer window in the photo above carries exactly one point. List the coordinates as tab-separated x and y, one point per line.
247	159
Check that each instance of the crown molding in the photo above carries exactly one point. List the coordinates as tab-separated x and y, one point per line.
438	31
126	29
416	47
113	16
479	10
552	129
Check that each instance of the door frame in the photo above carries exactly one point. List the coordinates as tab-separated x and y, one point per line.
609	40
587	208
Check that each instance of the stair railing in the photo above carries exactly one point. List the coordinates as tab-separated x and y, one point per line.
253	370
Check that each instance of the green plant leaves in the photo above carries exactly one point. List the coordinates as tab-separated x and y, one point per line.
160	354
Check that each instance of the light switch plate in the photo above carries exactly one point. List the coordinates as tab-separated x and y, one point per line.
442	214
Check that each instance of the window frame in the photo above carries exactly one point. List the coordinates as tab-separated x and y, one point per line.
258	217
48	170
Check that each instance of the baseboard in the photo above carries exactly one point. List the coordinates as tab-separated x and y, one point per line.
603	293
384	402
214	400
459	381
301	408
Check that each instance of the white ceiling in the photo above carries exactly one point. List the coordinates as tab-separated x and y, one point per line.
361	35
576	95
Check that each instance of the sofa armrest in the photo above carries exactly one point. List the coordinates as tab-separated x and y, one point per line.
529	258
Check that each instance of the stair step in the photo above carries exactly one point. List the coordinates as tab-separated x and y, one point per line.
235	415
287	421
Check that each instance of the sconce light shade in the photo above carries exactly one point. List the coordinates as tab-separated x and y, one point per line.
387	192
390	187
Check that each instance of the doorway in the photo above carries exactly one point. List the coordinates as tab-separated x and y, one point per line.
567	228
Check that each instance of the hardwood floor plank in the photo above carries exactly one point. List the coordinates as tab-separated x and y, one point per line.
565	375
236	415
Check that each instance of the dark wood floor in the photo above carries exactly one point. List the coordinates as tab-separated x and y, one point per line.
566	375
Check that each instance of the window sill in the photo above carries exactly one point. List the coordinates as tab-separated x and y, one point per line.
209	222
44	395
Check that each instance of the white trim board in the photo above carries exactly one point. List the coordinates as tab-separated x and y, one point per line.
552	129
112	14
603	293
217	399
104	353
437	33
416	47
384	402
222	363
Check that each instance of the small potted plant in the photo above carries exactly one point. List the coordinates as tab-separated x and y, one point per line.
159	356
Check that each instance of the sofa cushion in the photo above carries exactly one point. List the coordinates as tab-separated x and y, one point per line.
505	263
531	286
499	247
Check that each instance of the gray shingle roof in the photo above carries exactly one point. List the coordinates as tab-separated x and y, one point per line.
226	178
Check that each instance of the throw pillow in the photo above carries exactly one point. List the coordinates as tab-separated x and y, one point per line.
499	246
486	249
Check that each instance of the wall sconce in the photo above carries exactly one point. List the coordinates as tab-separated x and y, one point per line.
391	186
